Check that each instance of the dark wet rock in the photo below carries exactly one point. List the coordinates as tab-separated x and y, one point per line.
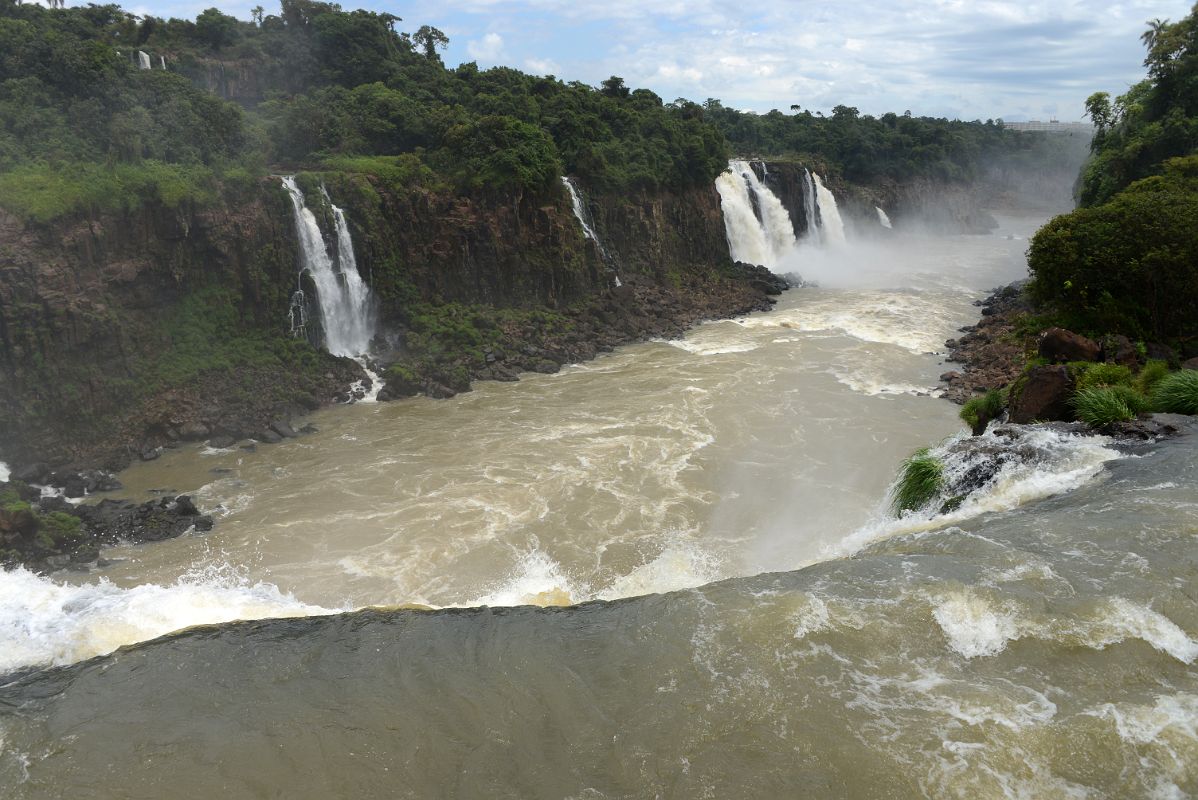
1151	427
193	431
1042	395
222	442
1118	349
204	524
150	454
250	448
1191	363
269	436
438	391
309	428
33	473
1163	352
760	278
546	367
990	352
1058	344
283	428
184	506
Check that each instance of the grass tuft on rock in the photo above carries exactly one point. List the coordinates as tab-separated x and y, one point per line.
1177	393
1094	376
1150	375
920	480
1099	407
987	406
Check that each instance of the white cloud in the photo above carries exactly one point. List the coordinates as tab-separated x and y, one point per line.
489	48
542	66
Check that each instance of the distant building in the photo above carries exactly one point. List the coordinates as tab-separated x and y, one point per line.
1052	126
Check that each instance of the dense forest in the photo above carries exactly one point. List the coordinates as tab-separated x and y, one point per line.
1126	261
84	128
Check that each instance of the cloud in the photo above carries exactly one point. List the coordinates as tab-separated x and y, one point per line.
541	66
489	48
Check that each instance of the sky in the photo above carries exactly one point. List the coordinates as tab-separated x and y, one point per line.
967	59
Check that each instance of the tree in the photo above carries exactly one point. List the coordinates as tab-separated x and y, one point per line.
1098	109
216	29
429	39
614	87
256	13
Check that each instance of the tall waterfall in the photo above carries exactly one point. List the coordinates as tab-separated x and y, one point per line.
143	60
346	307
831	225
757	224
883	219
810	206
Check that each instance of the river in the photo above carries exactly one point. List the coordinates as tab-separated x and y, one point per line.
740	616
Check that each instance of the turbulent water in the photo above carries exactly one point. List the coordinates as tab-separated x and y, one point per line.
779	634
757	224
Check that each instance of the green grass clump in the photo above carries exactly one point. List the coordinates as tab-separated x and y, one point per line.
1150	375
1177	393
1098	407
988	406
1096	375
1136	401
60	525
920	480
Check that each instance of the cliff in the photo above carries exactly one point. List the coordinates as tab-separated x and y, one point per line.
124	333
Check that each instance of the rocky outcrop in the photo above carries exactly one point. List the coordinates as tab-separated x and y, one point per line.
990	352
1059	345
48	533
1042	395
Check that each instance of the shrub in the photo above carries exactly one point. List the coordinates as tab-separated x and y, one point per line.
1098	407
1096	375
921	478
1151	375
1136	402
60	525
1177	393
986	407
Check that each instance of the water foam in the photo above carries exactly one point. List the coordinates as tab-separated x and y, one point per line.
4	472
45	623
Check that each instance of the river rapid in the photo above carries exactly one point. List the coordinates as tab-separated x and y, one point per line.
668	572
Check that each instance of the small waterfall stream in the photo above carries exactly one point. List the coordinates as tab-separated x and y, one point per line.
883	218
344	299
831	225
583	215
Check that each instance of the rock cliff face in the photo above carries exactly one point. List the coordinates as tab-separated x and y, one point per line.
120	334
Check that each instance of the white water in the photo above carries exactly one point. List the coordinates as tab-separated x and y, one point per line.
764	240
43	622
809	197
346	307
883	219
831	225
143	60
4	472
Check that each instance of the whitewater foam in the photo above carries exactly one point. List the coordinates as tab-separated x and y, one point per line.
45	623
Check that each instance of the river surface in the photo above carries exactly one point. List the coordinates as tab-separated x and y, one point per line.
768	629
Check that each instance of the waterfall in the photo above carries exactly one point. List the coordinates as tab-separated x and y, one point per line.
583	215
143	60
757	224
162	61
346	307
882	218
4	472
831	225
811	207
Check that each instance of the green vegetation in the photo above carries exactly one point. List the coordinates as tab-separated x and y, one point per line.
1127	260
1091	375
1150	375
921	478
1177	393
986	407
1099	407
867	149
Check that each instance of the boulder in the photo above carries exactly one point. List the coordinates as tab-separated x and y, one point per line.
268	436
33	473
1162	352
1044	395
1058	344
193	431
1118	349
1191	363
283	428
221	442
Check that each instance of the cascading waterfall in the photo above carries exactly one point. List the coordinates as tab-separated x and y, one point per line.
831	225
346	307
143	60
811	206
883	219
583	215
757	224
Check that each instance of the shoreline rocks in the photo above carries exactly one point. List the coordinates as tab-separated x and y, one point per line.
990	352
